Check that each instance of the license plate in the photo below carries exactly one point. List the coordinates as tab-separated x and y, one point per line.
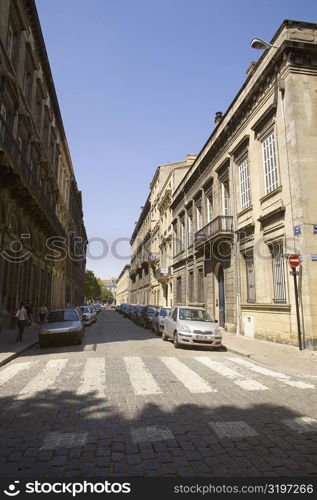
202	337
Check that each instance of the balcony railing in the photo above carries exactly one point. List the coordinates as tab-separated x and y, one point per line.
29	178
162	273
223	224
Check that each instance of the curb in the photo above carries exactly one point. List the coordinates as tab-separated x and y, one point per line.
245	354
16	354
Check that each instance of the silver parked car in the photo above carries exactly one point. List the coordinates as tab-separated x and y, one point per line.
157	322
62	327
191	326
87	315
93	313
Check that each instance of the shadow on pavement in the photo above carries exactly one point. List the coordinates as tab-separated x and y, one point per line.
67	434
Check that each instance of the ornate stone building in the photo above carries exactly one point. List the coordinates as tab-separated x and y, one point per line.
151	256
250	199
123	286
42	234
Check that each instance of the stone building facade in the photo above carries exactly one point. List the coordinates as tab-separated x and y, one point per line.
250	199
151	256
123	286
42	234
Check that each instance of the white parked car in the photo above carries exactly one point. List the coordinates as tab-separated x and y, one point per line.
187	325
93	313
157	321
87	315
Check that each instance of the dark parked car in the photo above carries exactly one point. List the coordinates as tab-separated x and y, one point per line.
147	315
127	310
137	314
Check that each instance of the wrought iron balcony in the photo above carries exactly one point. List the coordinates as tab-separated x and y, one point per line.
162	273
28	178
221	225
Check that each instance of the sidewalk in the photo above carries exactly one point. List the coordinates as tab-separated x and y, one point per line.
10	349
272	354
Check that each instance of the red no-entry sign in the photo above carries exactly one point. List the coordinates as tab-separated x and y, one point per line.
294	260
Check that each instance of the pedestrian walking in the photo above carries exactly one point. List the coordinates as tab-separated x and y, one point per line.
22	318
42	313
29	309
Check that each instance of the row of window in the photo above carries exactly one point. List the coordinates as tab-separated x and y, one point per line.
196	293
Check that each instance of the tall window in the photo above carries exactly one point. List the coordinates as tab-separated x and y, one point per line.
279	288
199	219
225	197
10	42
270	163
3	119
249	264
189	229
209	208
182	235
179	290
190	286
244	184
200	285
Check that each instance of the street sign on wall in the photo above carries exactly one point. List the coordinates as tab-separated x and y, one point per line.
294	260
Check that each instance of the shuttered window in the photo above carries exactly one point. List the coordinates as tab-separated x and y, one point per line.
244	184
270	163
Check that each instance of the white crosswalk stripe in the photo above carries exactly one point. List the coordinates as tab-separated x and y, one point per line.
45	379
11	371
193	382
236	377
281	377
141	379
93	378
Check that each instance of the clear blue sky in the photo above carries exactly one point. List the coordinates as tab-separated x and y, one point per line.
138	83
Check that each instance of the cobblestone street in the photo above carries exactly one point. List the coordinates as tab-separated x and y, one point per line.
125	403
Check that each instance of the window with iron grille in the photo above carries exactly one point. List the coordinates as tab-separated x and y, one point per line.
244	184
200	285
179	289
189	229
249	265
278	268
270	163
190	286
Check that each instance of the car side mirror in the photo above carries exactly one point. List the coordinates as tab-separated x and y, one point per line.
215	321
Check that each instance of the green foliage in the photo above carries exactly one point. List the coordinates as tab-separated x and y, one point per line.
93	288
107	296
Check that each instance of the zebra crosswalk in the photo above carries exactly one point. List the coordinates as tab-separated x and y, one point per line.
143	376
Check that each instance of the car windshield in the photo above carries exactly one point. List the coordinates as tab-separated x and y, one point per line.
164	312
85	309
57	316
151	310
194	315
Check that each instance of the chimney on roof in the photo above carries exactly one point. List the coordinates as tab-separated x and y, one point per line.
218	117
251	69
190	159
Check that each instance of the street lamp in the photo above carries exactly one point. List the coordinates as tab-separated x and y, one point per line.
257	43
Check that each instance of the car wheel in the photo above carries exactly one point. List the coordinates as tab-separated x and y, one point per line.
158	333
164	336
175	340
